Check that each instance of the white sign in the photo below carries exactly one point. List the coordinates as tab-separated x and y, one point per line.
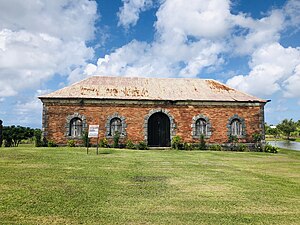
93	131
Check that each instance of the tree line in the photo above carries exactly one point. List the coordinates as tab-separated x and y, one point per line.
12	136
287	127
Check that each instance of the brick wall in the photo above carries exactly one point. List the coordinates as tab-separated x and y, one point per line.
55	115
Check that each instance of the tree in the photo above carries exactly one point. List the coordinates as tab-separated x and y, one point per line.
13	135
274	131
287	126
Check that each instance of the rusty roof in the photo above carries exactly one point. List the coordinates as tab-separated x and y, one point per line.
138	88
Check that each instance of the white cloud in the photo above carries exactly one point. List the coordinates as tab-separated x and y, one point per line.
292	84
258	32
29	111
189	38
209	19
271	65
192	37
292	12
48	16
33	45
129	13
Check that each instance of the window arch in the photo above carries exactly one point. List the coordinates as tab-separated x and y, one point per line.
236	127
115	123
201	126
75	125
115	126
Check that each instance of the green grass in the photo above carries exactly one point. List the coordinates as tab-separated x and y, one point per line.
66	186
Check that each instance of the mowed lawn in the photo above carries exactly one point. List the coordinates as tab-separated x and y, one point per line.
67	186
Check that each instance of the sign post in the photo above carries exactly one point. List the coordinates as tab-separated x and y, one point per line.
94	132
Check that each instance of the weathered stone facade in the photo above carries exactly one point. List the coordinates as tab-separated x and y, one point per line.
153	110
135	114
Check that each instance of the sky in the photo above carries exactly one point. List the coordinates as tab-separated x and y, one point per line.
45	45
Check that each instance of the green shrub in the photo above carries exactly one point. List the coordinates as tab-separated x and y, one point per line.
71	143
202	144
45	142
187	146
177	142
256	137
130	145
142	146
215	147
103	143
116	139
85	139
38	138
242	148
233	139
270	149
52	144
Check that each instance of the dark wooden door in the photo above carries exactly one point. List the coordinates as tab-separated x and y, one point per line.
159	130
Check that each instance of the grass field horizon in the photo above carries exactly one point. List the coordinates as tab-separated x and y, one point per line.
66	186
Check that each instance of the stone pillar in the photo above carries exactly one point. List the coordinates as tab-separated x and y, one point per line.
1	133
262	123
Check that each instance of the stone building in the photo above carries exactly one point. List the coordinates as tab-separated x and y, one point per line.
152	110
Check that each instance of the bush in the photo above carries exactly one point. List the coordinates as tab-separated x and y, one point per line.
103	143
71	143
270	149
86	139
202	144
116	140
7	143
130	145
142	146
256	137
177	142
45	142
187	146
38	138
242	148
52	144
215	147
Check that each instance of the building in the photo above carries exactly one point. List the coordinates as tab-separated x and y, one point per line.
152	110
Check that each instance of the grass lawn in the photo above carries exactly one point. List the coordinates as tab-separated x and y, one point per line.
66	186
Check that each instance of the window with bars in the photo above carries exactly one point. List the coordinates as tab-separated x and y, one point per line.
201	127
75	127
115	126
236	127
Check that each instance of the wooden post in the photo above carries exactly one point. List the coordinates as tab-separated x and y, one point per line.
97	144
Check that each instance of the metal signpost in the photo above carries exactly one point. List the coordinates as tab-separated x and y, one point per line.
93	132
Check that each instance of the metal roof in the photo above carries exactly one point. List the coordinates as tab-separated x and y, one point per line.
138	88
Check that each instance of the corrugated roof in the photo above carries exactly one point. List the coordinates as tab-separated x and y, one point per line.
138	88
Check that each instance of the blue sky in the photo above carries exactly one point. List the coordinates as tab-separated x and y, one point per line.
253	46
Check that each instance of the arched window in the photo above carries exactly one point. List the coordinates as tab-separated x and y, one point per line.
236	127
201	127
115	126
75	127
115	123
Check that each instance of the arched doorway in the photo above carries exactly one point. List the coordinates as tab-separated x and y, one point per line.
159	130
